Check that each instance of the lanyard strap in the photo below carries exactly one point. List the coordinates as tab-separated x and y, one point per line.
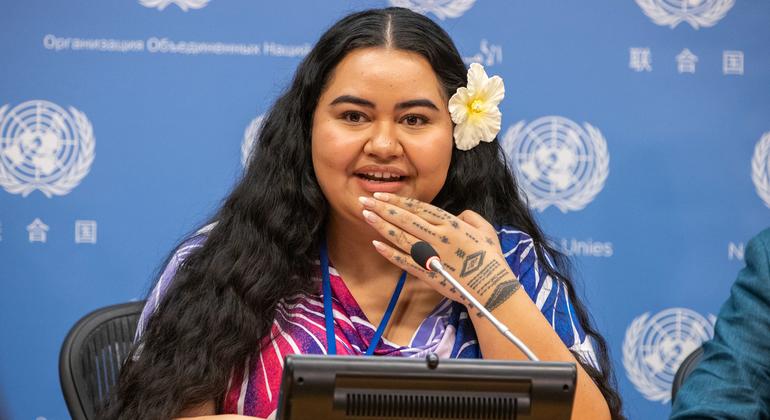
331	343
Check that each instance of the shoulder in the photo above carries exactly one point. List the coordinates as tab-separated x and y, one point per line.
752	287
520	250
511	236
182	252
763	237
734	362
758	251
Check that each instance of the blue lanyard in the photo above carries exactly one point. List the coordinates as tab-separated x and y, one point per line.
331	343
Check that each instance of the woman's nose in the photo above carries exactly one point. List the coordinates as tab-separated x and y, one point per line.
384	142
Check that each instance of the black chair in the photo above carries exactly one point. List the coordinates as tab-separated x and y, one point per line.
685	369
92	355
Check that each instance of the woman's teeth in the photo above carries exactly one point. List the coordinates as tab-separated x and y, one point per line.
380	176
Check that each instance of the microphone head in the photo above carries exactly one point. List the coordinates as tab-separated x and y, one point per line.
422	253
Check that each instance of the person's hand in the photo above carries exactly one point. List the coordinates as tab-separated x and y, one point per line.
467	245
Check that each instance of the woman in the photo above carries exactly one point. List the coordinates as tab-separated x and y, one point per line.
367	113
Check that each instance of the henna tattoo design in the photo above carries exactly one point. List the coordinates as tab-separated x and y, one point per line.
471	237
496	278
472	263
438	213
489	241
449	267
483	275
424	229
392	212
502	292
460	253
392	232
454	224
404	261
444	239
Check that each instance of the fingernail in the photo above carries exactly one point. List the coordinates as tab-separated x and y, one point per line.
379	245
382	196
366	201
370	216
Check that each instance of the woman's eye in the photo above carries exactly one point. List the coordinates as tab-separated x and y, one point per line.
353	117
415	120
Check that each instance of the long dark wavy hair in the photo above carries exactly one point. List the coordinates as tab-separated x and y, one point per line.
262	249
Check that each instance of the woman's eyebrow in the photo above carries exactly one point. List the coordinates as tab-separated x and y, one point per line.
350	99
416	102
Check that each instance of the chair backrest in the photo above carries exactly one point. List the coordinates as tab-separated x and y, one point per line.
685	369
92	355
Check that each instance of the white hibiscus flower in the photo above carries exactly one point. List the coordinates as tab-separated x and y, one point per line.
474	108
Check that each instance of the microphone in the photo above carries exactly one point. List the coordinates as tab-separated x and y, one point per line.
427	257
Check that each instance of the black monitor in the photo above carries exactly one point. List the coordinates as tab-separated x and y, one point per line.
345	387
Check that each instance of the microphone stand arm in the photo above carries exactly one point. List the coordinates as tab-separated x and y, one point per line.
435	265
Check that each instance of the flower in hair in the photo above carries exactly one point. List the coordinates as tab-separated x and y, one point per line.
474	108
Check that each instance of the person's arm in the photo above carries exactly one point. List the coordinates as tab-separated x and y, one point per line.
732	381
468	249
520	314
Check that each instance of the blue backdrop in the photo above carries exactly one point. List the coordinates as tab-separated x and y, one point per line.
639	129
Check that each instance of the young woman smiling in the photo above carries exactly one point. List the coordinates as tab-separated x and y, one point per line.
383	139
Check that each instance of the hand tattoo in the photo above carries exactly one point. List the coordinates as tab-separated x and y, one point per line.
502	292
490	276
424	229
437	213
472	263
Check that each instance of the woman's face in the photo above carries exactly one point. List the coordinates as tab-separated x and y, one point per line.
382	124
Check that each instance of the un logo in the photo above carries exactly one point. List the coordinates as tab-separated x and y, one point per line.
43	147
654	348
185	5
697	13
250	136
441	8
557	162
760	168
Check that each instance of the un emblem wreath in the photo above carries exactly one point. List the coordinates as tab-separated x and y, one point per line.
442	9
760	168
585	182
69	172
654	348
673	12
185	5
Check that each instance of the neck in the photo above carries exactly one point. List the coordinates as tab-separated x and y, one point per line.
352	253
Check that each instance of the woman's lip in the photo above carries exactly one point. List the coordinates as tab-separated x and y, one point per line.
376	168
375	186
